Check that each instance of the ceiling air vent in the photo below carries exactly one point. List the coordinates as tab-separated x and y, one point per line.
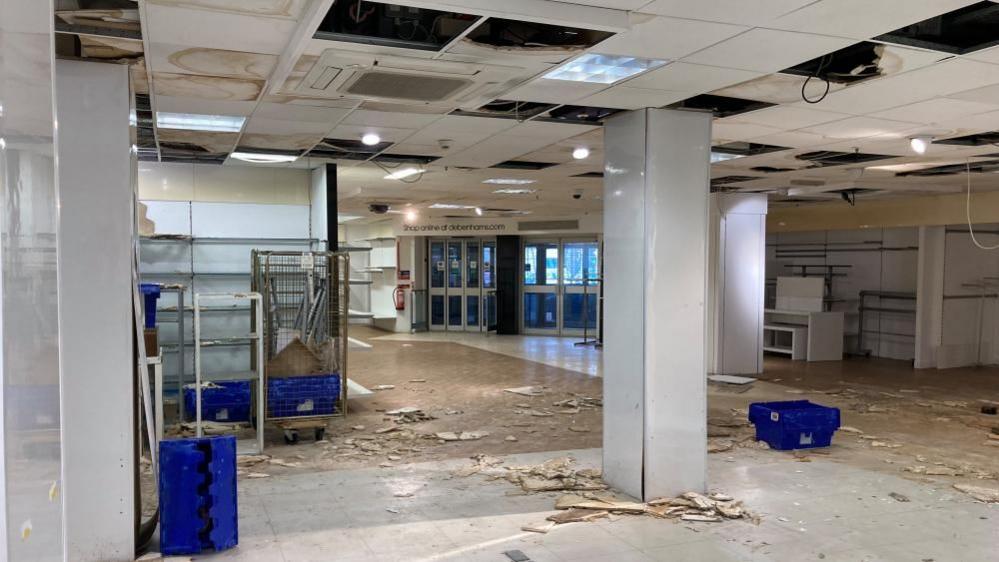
379	84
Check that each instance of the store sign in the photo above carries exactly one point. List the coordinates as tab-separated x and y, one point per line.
427	226
430	228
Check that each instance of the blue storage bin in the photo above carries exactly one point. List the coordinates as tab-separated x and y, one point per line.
150	294
314	395
794	424
230	402
198	495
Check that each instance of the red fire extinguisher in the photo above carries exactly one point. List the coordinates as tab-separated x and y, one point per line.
399	294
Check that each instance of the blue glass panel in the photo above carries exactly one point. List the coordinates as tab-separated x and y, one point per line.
437	265
540	310
573	314
472	311
437	310
454	311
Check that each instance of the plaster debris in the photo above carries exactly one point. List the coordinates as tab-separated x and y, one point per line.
510	438
579	429
358	427
899	497
987	495
417	380
542	528
383	387
526	390
257	475
463	436
850	429
580	402
576	515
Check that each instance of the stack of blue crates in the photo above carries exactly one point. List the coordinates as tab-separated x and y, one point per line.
313	395
198	495
226	401
794	424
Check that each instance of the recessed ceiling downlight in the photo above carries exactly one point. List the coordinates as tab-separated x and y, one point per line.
581	153
371	139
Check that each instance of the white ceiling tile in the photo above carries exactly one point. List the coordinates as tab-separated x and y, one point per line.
548	130
390	119
988	95
613	4
776	88
969	124
985	55
180	59
667	38
287	9
858	128
746	12
264	126
935	110
303	113
789	118
544	90
171	104
863	19
793	139
626	97
767	50
357	131
733	130
494	150
940	79
217	30
686	77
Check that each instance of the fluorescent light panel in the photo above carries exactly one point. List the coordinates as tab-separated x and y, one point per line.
602	69
263	158
404	173
197	122
509	181
451	206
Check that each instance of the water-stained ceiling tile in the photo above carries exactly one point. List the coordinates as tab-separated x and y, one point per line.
109	48
206	87
279	142
210	62
194	140
268	8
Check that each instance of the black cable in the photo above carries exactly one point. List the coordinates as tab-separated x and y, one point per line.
818	71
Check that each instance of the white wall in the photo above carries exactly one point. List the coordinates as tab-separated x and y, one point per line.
880	260
231	184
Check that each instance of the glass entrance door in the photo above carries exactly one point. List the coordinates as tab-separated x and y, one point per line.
561	286
462	284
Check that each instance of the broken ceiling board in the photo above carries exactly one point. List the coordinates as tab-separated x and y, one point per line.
279	142
178	59
109	48
231	28
206	87
731	379
206	141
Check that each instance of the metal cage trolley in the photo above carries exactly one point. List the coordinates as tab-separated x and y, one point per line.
305	309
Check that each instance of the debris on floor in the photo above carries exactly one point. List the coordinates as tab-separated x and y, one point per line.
691	507
987	495
461	436
526	390
383	387
409	414
899	497
554	475
579	402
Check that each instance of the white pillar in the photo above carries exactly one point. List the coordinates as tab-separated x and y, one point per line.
736	283
95	271
655	263
929	295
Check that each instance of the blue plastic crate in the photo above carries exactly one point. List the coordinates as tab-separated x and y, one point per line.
315	395
230	402
198	495
794	424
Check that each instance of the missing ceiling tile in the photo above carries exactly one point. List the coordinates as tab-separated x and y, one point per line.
826	158
391	25
498	32
742	148
507	109
579	114
721	106
771	169
849	65
962	31
981	167
590	175
977	139
523	165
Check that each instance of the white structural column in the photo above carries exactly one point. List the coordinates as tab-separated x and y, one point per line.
736	283
929	295
95	255
656	179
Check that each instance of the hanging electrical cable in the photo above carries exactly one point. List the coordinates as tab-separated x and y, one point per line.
971	229
823	63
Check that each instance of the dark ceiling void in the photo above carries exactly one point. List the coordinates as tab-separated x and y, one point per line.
390	25
187	153
721	106
498	32
848	65
386	158
726	180
579	114
825	158
960	32
747	148
771	169
977	139
589	175
347	149
507	109
523	165
981	167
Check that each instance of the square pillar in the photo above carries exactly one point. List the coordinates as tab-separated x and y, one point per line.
929	295
656	187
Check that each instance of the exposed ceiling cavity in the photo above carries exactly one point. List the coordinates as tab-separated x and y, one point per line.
726	180
856	63
523	165
508	109
109	18
960	32
977	139
987	166
743	148
387	158
390	25
498	32
771	169
721	106
578	114
589	175
347	149
825	158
